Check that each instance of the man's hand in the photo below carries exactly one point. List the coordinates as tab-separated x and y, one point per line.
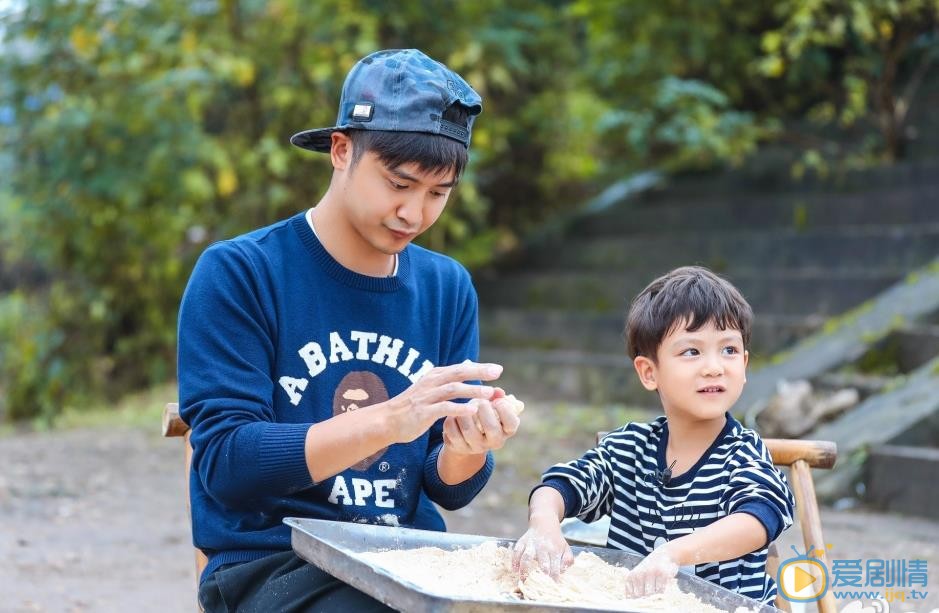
542	546
496	420
413	411
652	575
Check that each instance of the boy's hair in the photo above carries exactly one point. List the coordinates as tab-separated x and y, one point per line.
432	153
690	295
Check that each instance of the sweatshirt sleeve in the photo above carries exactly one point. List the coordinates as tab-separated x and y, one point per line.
586	484
758	488
225	365
464	345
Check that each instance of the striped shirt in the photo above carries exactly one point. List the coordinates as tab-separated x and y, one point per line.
619	478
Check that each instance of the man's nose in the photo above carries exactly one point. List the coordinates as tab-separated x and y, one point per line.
410	210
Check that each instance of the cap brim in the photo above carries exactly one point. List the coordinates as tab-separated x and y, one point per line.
315	140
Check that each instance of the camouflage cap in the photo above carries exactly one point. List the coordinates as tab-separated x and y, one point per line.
398	90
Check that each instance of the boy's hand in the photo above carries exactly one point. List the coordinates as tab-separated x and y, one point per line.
544	547
652	575
496	420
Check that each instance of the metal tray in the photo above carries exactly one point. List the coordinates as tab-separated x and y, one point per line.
332	546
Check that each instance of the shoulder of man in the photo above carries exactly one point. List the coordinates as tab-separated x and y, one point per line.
245	245
423	259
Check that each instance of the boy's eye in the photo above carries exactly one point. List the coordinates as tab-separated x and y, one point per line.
731	350
397	186
437	194
690	352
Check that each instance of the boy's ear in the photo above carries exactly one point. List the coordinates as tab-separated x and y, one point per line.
645	368
746	361
340	151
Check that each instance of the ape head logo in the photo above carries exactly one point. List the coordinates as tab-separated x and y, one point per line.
357	390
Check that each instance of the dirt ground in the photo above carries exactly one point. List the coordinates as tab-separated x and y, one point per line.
94	519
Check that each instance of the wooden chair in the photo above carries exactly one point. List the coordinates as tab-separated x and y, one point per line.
173	425
800	457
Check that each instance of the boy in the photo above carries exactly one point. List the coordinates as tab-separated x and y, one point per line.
693	488
321	359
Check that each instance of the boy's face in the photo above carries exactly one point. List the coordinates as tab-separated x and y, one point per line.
390	207
699	375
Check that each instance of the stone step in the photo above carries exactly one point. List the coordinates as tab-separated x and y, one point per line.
898	247
793	292
769	172
903	350
841	341
575	376
668	211
896	479
887	418
603	332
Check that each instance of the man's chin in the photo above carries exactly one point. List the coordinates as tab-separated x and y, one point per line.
391	247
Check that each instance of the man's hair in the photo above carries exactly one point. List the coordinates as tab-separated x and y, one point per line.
690	295
432	153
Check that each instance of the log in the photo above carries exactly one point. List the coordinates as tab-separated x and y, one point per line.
810	521
173	425
817	454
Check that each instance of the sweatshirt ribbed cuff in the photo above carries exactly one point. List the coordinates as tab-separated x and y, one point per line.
282	457
567	491
452	497
766	514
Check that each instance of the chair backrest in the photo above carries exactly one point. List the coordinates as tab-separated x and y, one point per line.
173	425
800	456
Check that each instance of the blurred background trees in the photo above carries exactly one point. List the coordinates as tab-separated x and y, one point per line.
136	133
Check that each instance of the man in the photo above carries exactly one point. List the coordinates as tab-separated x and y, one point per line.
324	360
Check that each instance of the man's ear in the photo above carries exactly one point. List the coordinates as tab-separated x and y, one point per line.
340	151
645	368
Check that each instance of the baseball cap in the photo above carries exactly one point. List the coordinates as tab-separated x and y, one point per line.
398	90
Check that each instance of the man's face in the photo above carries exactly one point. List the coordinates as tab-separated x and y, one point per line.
700	374
390	207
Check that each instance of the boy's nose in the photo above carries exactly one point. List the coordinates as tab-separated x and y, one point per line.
712	366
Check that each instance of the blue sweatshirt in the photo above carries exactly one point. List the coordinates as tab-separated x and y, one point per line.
275	335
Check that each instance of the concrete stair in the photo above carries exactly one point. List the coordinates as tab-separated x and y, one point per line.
789	291
553	311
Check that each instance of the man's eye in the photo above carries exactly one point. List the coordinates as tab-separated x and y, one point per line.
398	186
437	194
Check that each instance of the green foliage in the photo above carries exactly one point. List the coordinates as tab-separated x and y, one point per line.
852	60
676	91
140	135
135	134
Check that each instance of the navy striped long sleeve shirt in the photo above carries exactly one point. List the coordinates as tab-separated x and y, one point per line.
735	475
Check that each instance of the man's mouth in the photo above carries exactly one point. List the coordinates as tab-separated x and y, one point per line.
402	234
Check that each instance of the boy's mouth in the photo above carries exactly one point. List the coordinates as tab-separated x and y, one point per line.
711	389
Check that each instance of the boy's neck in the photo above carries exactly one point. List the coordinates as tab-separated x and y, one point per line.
688	440
344	244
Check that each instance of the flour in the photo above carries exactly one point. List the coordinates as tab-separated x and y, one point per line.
484	572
